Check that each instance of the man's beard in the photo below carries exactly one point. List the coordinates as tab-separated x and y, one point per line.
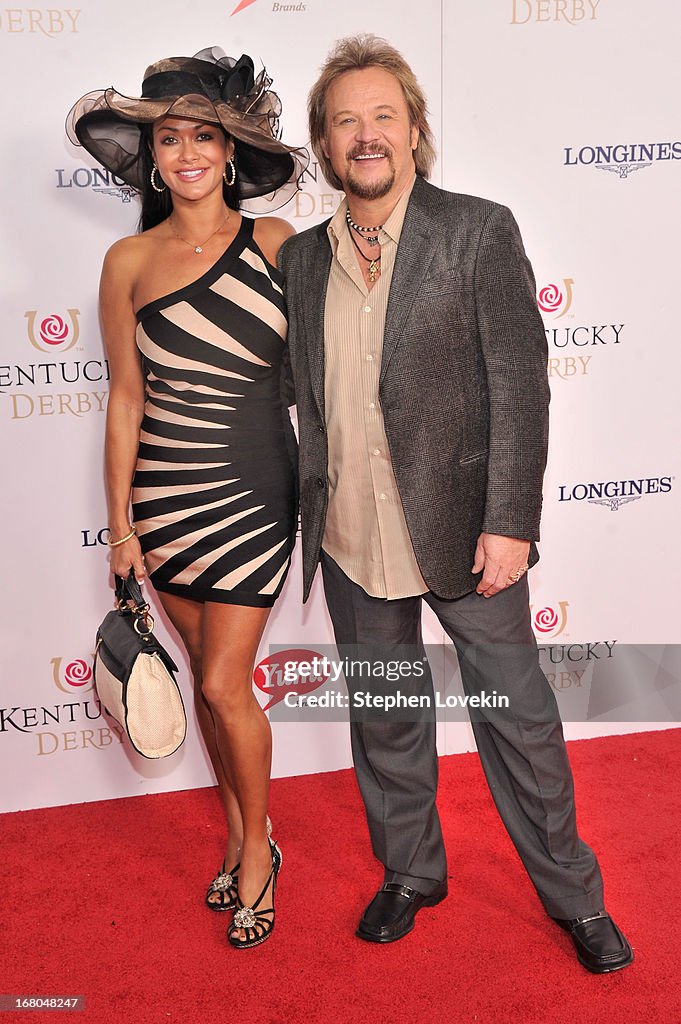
372	189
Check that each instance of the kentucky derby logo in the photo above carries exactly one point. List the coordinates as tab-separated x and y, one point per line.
556	300
568	12
72	676
549	622
53	332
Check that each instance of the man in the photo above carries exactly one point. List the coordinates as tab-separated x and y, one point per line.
419	363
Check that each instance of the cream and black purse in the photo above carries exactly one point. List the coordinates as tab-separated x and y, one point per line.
135	675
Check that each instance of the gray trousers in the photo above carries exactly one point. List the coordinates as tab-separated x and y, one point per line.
522	750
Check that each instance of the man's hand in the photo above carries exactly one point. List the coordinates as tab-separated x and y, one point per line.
499	557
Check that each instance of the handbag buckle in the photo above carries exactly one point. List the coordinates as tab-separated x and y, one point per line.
147	620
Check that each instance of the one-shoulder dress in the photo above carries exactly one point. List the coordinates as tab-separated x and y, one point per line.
214	486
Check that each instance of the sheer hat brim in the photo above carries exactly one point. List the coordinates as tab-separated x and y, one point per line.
108	124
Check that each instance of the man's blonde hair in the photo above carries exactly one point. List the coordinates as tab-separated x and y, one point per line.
353	54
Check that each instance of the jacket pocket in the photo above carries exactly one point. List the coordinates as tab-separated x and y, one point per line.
473	458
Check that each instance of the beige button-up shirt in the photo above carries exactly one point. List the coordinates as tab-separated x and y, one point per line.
366	532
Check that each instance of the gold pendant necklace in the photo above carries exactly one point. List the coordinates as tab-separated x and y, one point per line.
198	249
374	264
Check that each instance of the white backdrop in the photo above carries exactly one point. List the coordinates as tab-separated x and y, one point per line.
562	109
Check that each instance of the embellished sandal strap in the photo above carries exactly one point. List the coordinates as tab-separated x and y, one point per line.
225	886
255	924
260	898
225	880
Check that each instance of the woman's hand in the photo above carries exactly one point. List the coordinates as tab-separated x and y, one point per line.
127	556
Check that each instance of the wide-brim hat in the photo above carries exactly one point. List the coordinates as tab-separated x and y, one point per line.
209	87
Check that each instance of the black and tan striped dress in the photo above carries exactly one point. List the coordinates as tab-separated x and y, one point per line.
214	492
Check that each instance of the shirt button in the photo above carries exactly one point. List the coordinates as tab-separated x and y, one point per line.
383	497
377	451
321	482
367	309
372	405
370	358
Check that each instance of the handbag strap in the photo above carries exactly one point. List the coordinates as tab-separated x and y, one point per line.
129	590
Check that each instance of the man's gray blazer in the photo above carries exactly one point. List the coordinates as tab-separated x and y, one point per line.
463	385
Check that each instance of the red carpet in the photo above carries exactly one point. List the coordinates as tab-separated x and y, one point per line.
105	900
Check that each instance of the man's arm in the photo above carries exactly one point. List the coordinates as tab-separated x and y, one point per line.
515	351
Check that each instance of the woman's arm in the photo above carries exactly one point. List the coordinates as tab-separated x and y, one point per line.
270	233
126	399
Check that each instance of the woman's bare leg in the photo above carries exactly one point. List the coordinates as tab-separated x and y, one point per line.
187	618
231	635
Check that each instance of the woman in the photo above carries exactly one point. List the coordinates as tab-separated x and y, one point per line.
197	435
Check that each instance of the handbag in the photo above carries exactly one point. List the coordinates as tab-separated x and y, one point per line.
135	676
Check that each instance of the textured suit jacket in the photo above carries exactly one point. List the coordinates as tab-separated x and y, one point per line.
463	385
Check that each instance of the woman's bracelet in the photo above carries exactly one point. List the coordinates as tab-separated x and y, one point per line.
115	543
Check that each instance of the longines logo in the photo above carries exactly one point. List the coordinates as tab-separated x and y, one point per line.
555	301
55	333
43	21
622	159
571	12
549	622
95	538
75	678
98	180
614	493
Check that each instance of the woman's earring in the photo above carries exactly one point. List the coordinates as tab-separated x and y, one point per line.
232	169
152	178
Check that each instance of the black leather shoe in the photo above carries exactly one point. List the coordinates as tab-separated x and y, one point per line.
390	915
600	945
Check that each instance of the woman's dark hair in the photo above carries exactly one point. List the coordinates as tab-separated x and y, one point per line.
157	206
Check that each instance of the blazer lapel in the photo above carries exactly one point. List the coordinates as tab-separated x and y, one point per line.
417	246
316	267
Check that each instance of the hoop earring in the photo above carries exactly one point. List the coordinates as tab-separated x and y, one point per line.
232	167
152	179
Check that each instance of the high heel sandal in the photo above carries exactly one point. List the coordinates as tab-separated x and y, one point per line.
257	925
225	883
